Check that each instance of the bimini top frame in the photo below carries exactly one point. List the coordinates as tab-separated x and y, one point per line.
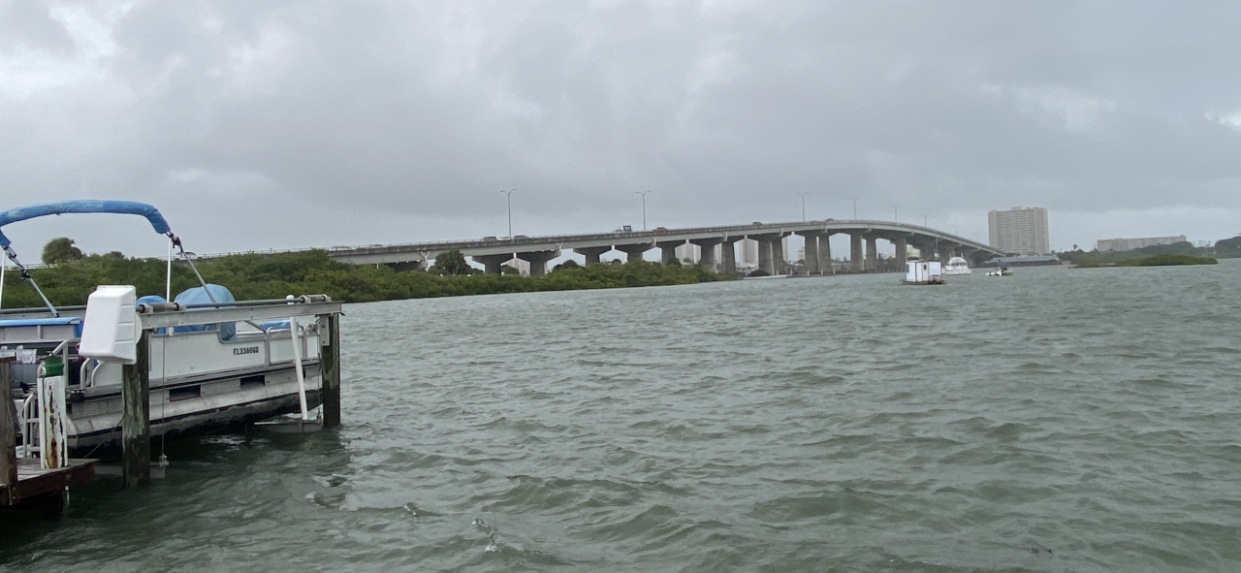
94	206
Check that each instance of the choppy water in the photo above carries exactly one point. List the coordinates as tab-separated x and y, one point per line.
1058	420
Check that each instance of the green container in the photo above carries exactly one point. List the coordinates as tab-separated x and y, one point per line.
53	366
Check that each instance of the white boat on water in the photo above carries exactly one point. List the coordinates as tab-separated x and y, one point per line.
1000	272
212	362
957	266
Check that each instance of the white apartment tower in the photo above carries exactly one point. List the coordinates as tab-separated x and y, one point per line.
747	255
1020	231
689	251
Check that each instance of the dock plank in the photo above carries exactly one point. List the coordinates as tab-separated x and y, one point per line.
33	480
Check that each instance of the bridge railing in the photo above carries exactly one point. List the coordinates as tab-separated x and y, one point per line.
623	237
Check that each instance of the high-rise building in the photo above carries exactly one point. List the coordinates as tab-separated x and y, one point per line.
689	251
1020	231
522	267
747	254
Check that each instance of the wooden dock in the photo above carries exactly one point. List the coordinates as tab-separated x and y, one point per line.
25	479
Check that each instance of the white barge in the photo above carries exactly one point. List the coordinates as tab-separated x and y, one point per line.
920	272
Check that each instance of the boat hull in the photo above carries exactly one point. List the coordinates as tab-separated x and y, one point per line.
222	403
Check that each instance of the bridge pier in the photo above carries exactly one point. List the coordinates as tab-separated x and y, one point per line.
968	253
592	254
825	254
779	262
764	256
770	252
492	263
668	251
812	252
872	255
728	252
634	252
855	252
538	261
901	248
707	246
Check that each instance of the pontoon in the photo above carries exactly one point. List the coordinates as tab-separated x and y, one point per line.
213	362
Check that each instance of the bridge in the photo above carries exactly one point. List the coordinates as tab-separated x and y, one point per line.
493	252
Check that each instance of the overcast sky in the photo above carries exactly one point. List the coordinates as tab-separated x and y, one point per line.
259	125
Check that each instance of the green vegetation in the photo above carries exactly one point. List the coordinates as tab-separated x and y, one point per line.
1164	260
1167	260
256	276
60	249
1094	259
451	263
1228	248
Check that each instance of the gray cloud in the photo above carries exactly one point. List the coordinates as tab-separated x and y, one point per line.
300	124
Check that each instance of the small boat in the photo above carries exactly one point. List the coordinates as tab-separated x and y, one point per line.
213	362
1000	272
920	272
957	266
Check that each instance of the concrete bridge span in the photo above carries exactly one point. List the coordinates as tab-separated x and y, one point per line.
493	252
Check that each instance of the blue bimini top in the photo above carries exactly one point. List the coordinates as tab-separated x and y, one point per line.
83	206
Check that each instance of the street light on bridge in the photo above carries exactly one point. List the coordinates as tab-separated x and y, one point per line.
643	194
803	206
855	207
509	195
896	213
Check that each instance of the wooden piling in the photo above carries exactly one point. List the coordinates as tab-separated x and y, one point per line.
136	418
8	434
329	364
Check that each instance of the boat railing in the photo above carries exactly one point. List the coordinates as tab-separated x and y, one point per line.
173	314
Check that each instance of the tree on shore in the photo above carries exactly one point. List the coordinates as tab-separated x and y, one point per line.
451	262
60	249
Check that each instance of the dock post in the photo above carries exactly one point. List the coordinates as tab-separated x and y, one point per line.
136	418
329	364
8	436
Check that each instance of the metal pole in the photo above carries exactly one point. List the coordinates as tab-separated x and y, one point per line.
509	196
855	207
643	194
896	213
803	206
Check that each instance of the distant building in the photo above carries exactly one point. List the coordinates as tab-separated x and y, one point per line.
747	254
1020	231
689	251
1135	244
522	267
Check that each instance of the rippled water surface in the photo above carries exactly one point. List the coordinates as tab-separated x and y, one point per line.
1056	420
